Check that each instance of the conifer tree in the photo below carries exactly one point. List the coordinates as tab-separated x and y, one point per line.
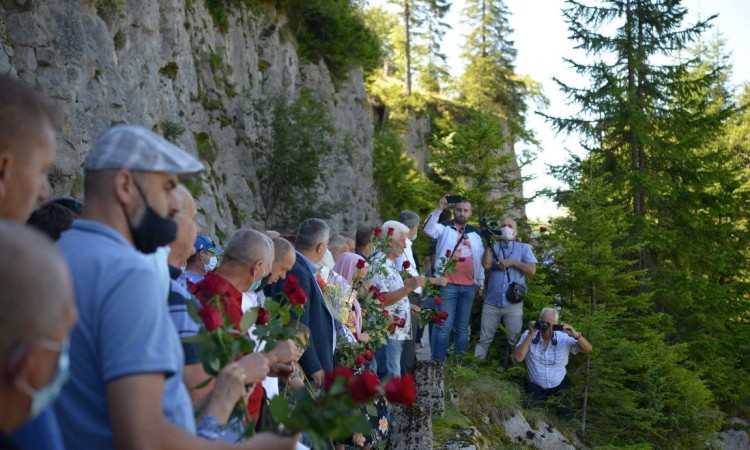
628	391
650	116
433	73
412	13
475	158
489	80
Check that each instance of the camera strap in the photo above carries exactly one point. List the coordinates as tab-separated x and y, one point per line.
507	269
460	238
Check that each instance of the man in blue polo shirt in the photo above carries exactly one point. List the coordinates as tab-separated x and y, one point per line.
126	361
509	261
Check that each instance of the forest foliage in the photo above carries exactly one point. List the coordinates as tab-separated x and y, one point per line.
650	260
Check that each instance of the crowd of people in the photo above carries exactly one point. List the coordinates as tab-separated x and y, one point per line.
95	336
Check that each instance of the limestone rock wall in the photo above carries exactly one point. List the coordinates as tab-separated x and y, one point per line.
165	65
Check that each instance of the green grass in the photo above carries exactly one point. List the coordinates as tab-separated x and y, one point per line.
205	147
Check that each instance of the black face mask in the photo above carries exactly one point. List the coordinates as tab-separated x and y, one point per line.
154	231
263	282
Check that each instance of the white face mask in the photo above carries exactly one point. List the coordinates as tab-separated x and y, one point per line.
44	397
507	233
212	262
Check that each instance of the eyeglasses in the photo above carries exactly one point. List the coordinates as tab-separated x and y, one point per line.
546	360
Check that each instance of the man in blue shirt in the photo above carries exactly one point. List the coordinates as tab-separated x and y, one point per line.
509	261
126	388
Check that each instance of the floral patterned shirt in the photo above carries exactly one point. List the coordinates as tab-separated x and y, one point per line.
389	280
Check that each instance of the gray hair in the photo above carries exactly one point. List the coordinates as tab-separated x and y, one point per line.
550	310
338	241
246	247
408	218
281	248
311	233
397	226
28	308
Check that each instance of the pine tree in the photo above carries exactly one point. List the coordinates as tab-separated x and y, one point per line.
631	387
474	157
489	80
651	116
412	14
433	74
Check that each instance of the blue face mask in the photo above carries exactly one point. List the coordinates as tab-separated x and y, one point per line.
42	398
254	287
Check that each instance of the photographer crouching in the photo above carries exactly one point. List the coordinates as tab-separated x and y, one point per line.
545	347
510	262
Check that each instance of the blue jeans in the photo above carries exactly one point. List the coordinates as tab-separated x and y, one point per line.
457	301
393	350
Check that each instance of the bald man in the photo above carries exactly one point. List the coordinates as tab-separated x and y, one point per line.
35	319
27	149
247	261
283	261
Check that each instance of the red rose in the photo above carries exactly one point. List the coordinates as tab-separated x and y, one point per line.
369	354
330	377
361	264
401	323
447	253
290	285
386	313
406	264
378	232
293	292
437	320
298	297
443	315
438	300
364	387
461	259
376	292
211	317
391	231
360	360
401	390
264	316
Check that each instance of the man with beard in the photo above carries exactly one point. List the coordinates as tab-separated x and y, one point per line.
462	242
126	388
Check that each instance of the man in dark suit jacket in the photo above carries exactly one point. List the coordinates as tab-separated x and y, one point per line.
311	244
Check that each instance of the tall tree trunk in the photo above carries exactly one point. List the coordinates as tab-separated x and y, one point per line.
407	48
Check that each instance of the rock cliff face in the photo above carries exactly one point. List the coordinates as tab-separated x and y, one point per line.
165	65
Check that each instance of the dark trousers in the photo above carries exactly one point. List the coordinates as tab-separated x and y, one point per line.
409	354
537	394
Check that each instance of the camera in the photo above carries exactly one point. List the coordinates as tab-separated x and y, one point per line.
489	228
543	325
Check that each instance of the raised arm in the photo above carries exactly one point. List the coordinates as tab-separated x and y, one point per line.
431	226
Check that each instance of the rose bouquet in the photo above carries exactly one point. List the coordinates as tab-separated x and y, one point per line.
334	413
428	315
224	336
446	266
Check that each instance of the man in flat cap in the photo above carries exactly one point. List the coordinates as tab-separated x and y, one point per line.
126	388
